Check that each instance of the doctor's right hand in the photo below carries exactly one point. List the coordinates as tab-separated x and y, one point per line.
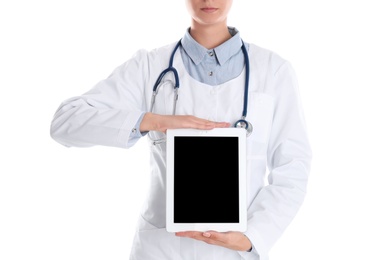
156	122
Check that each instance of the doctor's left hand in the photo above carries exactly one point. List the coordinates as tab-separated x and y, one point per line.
232	240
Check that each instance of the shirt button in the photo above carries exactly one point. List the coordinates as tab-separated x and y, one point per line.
211	54
211	73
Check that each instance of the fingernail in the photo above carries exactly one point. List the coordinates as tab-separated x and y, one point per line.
206	234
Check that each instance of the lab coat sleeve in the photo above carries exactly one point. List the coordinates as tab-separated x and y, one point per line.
106	115
288	161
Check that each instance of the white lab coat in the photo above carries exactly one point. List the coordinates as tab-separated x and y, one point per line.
107	114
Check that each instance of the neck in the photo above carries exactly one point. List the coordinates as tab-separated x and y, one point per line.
210	36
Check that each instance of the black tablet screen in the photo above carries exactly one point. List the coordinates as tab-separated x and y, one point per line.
206	180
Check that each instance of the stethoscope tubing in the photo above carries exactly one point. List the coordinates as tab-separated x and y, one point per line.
240	123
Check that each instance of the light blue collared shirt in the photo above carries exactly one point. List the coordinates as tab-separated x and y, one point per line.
213	67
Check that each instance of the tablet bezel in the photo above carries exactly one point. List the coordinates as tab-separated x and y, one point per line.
221	227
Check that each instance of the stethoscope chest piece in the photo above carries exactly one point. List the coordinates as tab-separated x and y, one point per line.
242	123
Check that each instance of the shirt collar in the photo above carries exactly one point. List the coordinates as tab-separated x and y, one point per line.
223	52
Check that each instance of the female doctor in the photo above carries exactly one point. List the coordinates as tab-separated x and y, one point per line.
212	65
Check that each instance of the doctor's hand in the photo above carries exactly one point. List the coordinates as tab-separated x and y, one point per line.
232	240
156	122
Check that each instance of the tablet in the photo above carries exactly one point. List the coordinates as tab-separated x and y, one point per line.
206	180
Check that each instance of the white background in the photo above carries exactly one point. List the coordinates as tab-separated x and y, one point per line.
77	203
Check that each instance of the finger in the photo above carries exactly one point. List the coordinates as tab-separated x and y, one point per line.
209	237
188	121
190	234
208	234
211	124
232	240
216	236
222	124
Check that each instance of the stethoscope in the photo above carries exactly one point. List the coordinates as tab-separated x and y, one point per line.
242	123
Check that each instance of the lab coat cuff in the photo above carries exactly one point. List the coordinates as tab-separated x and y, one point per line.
248	254
258	246
129	132
135	134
